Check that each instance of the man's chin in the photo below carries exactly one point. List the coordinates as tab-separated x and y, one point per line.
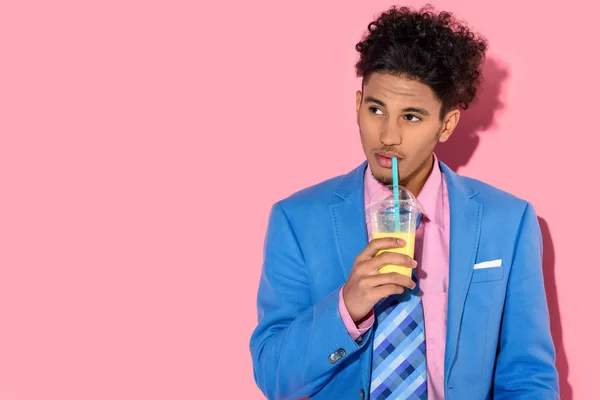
384	180
381	175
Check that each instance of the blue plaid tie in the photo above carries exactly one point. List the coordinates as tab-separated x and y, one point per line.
399	366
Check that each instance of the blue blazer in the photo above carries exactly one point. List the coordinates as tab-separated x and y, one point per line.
498	343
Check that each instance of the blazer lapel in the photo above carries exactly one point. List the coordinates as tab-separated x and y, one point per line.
350	235
465	228
348	216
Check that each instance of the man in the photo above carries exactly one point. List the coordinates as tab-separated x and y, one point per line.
472	322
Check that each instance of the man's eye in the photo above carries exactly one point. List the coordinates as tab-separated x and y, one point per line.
374	110
412	118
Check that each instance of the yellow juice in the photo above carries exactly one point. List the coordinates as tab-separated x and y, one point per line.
409	250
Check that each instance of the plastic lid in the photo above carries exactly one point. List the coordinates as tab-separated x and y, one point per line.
405	197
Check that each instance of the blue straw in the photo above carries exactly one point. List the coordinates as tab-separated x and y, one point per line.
396	195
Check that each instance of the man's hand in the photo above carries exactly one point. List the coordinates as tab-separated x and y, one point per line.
366	285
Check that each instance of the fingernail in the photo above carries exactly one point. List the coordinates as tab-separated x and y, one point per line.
400	242
414	263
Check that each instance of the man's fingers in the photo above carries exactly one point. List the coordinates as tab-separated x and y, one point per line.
379	244
402	260
390	278
384	291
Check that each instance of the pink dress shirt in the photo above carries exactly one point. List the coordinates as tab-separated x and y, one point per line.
432	249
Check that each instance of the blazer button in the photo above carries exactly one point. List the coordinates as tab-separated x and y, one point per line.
362	394
337	355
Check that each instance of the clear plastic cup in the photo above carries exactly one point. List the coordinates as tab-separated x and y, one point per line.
385	221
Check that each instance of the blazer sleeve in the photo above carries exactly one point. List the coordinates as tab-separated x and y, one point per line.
300	342
525	362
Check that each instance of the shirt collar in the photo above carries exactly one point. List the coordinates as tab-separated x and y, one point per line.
431	197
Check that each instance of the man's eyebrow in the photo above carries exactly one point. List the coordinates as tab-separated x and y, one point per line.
370	99
416	110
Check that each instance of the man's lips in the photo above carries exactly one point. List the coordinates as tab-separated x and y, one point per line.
384	158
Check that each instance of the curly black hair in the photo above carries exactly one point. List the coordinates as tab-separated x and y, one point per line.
432	48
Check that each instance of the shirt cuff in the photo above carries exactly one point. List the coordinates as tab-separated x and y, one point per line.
353	330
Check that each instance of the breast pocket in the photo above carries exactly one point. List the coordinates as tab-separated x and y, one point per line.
488	271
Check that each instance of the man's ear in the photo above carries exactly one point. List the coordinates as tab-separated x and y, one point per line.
449	124
358	103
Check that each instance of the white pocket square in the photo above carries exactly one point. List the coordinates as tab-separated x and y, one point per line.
488	264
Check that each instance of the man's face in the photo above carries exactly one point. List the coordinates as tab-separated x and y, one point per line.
400	117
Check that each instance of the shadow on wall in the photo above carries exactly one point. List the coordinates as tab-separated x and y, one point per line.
479	117
562	365
457	153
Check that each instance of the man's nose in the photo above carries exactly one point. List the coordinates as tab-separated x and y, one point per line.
391	134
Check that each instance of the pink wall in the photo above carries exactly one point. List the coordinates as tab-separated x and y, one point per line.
134	138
